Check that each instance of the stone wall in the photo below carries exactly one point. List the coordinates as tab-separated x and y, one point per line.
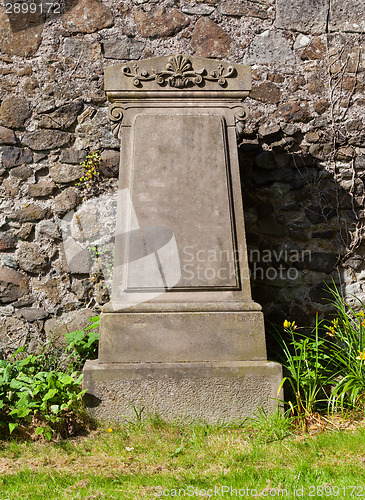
302	153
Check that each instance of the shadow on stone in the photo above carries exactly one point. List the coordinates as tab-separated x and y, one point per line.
300	226
91	401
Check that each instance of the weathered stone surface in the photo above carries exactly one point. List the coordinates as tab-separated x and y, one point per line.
13	333
160	22
79	47
7	310
7	241
270	47
109	164
9	261
87	16
50	289
243	8
312	136
347	16
62	118
315	50
14	111
13	285
9	189
41	189
46	105
306	16
320	151
347	59
47	228
177	391
77	259
209	2
63	174
29	213
315	84
321	105
269	131
345	153
73	156
66	201
42	140
25	231
266	92
30	257
86	224
294	111
56	328
301	41
94	131
23	172
7	136
209	39
359	162
11	156
20	35
198	10
33	313
122	48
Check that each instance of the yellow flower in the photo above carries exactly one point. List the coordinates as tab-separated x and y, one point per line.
110	430
331	333
361	356
363	322
287	324
360	314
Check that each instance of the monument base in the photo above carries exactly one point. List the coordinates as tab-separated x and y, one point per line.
173	336
200	391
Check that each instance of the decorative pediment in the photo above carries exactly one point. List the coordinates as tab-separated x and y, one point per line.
178	73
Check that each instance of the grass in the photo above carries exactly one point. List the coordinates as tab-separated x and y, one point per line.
135	461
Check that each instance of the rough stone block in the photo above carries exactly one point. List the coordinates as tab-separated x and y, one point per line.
209	39
20	35
87	16
126	48
76	48
14	112
347	16
306	16
42	140
270	47
210	392
160	22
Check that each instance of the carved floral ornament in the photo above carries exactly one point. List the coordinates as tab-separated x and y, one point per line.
179	73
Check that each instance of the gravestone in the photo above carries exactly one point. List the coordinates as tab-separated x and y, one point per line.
181	336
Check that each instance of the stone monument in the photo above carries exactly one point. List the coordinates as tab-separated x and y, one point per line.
181	336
